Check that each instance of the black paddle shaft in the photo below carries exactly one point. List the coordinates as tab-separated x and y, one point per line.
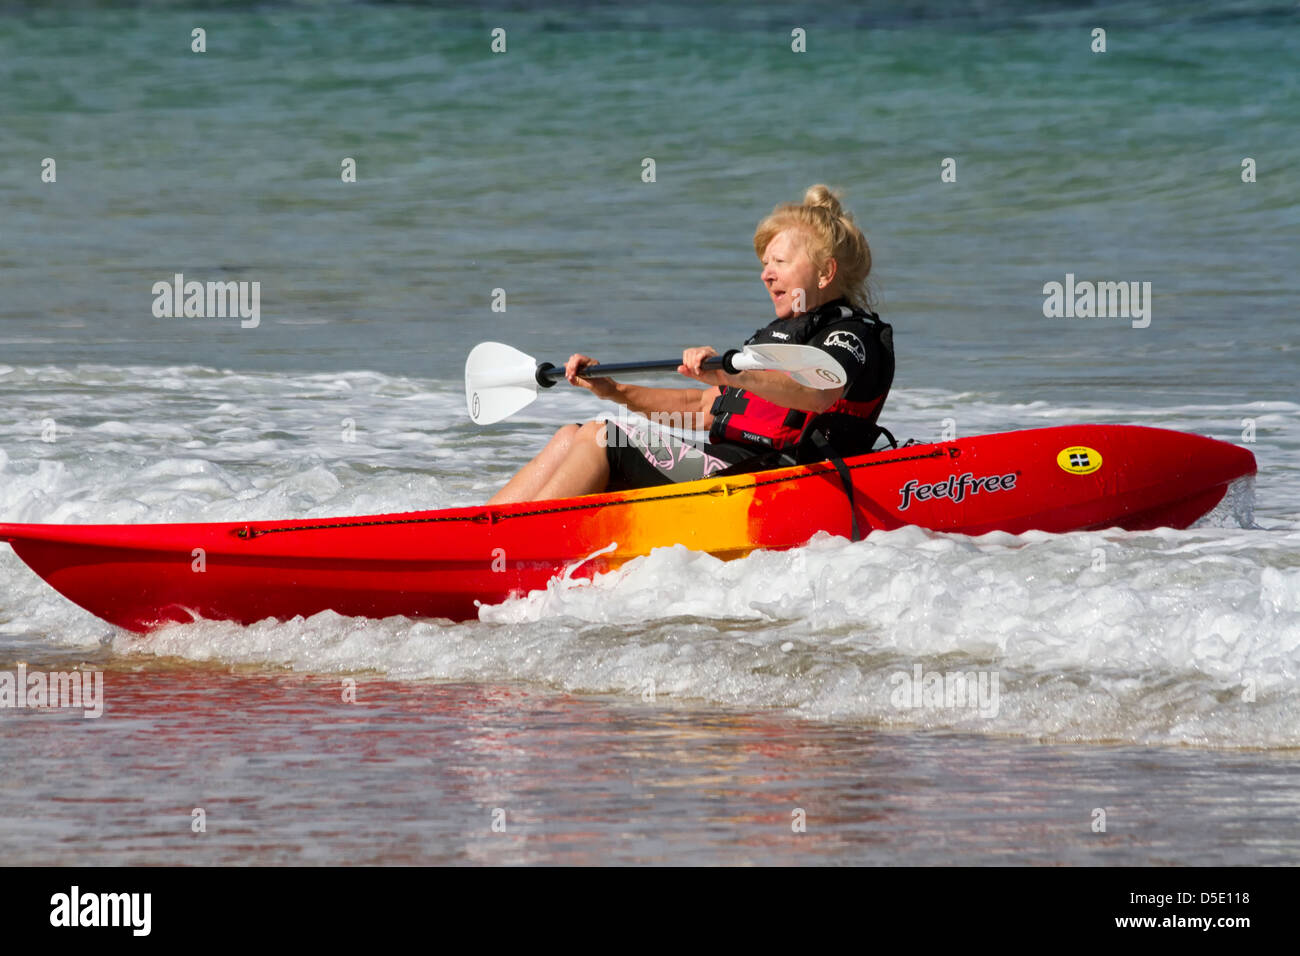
548	374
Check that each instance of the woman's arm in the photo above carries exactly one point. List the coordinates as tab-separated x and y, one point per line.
648	401
777	387
780	389
673	402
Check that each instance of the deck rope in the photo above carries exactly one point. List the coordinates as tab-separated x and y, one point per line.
492	518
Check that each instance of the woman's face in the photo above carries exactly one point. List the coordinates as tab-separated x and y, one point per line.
787	269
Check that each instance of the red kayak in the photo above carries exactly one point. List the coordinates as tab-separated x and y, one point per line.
444	563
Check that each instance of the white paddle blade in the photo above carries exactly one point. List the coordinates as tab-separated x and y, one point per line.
805	364
499	381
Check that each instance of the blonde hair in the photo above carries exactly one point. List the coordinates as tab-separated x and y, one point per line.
828	232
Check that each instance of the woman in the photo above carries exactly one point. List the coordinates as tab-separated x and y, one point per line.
815	267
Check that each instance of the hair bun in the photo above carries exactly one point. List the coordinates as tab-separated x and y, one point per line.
821	195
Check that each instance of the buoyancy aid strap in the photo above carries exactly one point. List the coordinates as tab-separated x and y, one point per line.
739	416
822	445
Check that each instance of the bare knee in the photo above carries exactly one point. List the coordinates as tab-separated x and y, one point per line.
564	435
593	431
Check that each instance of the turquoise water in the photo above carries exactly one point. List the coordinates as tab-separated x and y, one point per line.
523	171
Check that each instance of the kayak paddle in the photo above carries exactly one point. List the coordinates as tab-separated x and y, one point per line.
500	380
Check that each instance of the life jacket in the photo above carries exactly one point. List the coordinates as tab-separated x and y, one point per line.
743	418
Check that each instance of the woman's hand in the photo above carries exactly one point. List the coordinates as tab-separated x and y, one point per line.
692	359
601	387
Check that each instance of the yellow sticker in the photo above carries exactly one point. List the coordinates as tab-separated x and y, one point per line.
1079	459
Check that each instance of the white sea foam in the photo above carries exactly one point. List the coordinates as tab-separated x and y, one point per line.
1182	638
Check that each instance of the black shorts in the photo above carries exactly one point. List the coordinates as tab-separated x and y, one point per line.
642	455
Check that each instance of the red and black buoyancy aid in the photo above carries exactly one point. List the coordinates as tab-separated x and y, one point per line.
740	417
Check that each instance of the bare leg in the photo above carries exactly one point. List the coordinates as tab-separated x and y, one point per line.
585	468
530	479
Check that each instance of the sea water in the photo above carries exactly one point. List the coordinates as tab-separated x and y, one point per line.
789	707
